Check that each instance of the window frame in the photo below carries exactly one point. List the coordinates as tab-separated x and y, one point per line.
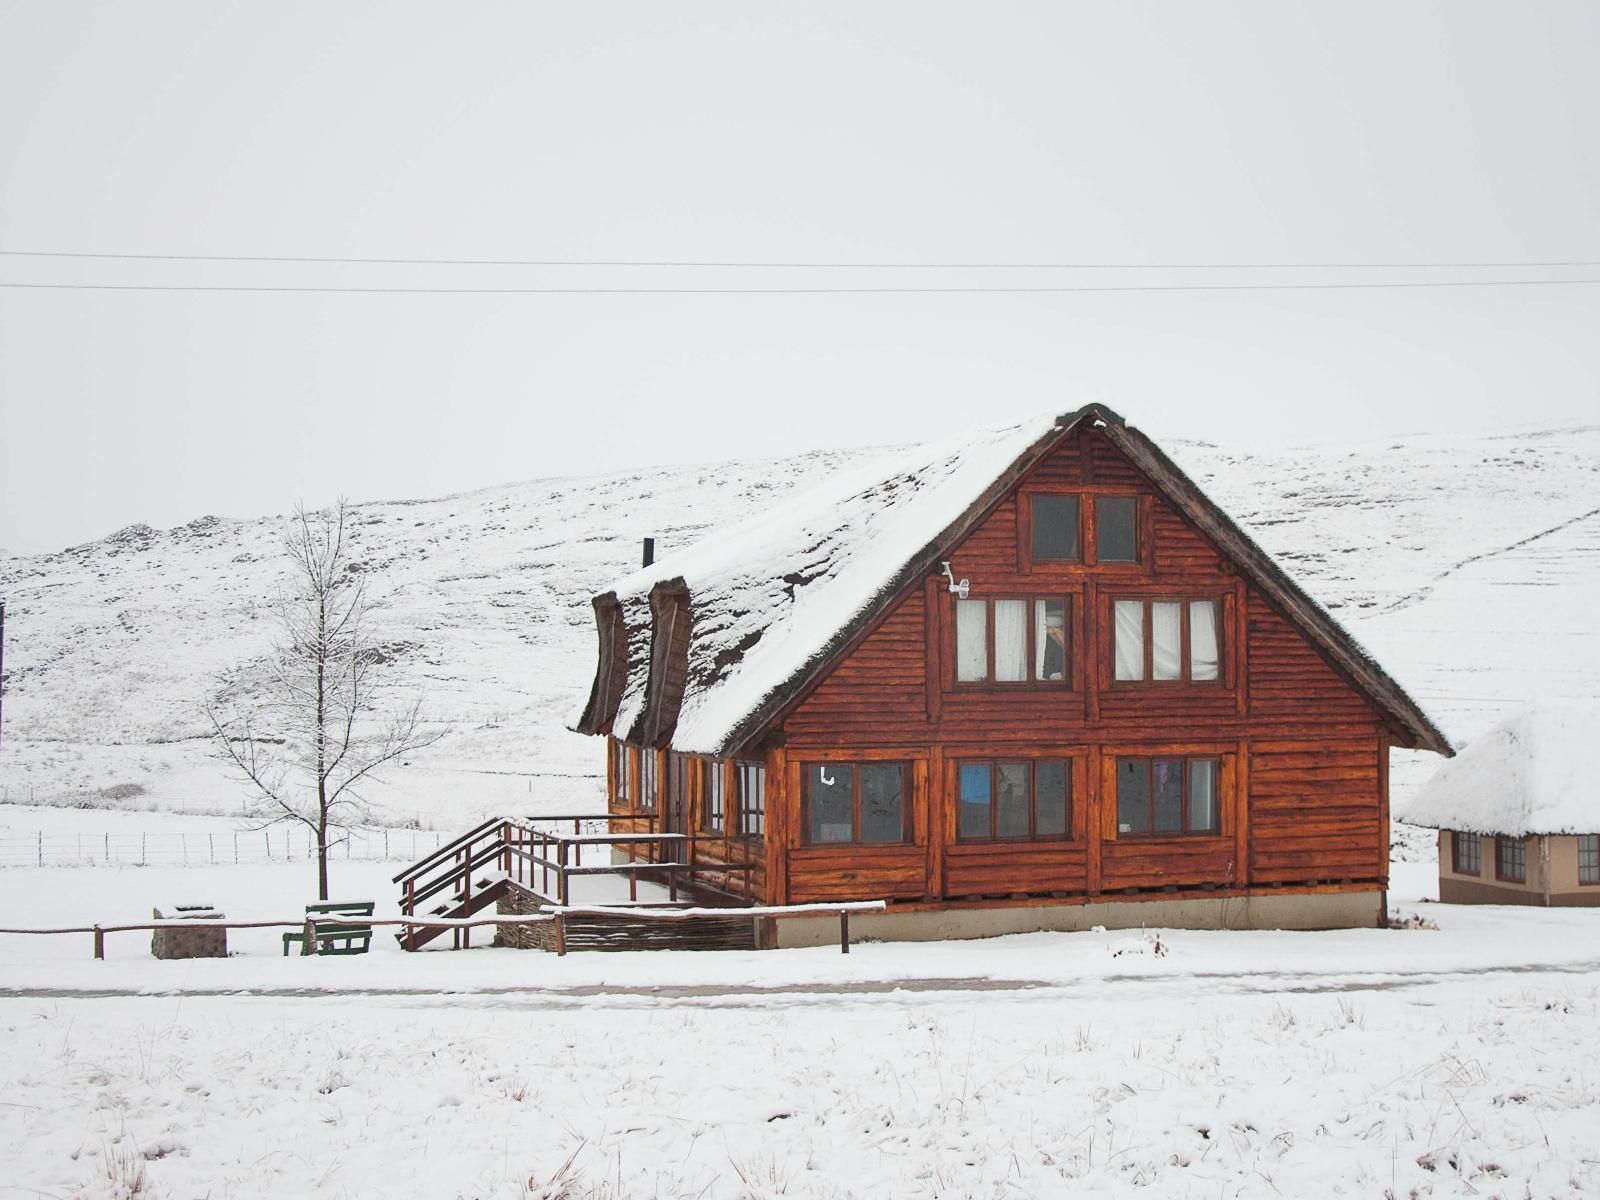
1593	852
621	764
1026	529
746	771
713	797
649	798
1502	857
1460	841
1149	761
1031	652
994	762
1138	530
906	837
1088	556
1148	600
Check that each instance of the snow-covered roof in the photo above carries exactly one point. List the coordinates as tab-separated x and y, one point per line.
1531	774
769	602
772	593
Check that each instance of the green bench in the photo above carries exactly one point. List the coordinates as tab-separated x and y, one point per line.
332	937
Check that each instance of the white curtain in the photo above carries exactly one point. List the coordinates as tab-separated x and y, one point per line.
972	648
1203	655
1166	632
1010	640
1130	639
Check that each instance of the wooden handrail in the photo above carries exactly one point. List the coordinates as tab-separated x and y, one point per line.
419	868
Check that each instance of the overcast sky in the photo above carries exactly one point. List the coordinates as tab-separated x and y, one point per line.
1270	133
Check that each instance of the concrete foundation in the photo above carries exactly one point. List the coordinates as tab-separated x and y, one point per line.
1315	910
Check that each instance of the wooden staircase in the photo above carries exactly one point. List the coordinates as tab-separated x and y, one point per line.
458	880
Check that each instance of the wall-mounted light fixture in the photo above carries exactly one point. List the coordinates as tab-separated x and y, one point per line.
963	589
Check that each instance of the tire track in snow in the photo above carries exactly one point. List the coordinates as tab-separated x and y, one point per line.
1413	597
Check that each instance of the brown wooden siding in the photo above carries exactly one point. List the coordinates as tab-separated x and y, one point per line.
1303	781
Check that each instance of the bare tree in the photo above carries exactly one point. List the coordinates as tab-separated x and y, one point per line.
317	721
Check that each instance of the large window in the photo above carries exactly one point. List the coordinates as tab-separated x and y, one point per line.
1055	527
1466	854
1164	796
751	779
647	779
1029	798
856	802
1589	858
1013	640
714	817
1116	529
1166	641
1510	860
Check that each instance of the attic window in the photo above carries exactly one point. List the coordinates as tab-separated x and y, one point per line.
1116	529
1055	527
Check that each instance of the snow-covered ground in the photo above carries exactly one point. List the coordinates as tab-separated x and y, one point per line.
1461	1059
1409	1062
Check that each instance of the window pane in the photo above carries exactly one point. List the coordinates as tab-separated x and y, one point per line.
1203	639
1050	639
830	791
1466	853
1589	858
1203	796
883	803
1051	787
1167	784
1012	811
972	639
1130	639
1116	537
1010	640
1166	632
973	820
1133	796
1055	527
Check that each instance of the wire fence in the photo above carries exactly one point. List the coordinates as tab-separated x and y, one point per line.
282	843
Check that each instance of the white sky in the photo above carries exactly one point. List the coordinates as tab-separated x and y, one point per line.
916	133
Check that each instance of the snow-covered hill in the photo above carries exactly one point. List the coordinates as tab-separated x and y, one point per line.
1467	564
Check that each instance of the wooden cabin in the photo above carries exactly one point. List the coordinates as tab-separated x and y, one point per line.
1030	679
1516	812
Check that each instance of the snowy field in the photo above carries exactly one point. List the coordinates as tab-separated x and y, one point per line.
1462	1060
1457	1060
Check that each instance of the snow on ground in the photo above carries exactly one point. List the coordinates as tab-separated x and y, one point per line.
1415	1062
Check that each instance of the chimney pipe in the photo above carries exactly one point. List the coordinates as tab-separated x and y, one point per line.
649	551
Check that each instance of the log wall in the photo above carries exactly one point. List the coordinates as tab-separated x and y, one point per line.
1303	753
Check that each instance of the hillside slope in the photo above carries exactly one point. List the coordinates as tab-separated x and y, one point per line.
1467	564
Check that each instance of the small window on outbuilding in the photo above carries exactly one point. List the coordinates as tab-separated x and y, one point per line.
1589	858
1466	854
1116	529
1055	527
1510	860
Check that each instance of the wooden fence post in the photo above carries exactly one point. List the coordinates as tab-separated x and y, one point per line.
311	937
99	942
561	934
844	931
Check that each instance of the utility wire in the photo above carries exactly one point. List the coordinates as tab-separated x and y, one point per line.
788	266
796	291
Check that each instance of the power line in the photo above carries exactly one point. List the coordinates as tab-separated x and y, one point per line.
826	266
797	291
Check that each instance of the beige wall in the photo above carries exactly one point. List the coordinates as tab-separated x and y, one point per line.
1552	871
